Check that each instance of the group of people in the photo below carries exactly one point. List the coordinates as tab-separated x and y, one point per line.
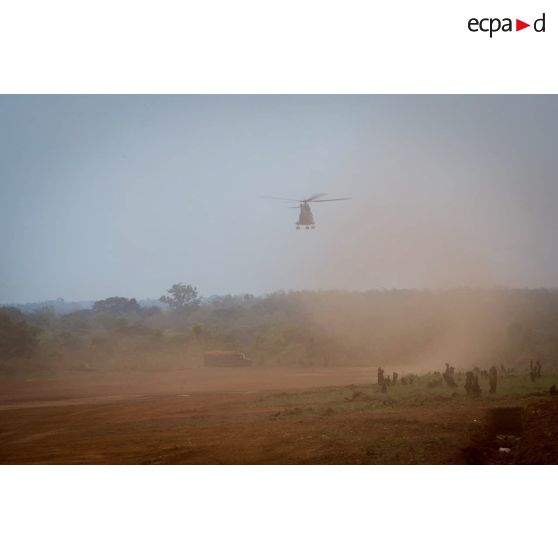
386	380
472	384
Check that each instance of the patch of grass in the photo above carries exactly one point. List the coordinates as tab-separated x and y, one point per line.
368	397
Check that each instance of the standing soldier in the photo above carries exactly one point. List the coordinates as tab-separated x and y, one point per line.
493	379
472	386
476	390
532	371
381	379
448	376
469	382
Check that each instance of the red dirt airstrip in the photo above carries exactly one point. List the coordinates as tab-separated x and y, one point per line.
234	416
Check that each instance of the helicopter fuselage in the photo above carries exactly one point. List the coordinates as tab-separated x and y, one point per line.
305	218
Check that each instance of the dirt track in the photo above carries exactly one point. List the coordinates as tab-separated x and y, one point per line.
225	416
92	387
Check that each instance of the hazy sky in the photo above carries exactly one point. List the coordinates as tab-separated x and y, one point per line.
125	195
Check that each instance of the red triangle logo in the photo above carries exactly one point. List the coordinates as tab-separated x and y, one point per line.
519	25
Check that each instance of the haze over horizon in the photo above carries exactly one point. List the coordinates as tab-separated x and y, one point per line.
126	195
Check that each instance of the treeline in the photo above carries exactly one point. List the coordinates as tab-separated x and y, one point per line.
407	328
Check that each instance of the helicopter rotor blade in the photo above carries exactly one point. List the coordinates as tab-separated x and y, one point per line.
311	199
332	199
314	197
283	199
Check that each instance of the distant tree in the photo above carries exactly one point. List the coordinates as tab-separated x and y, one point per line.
78	321
149	311
17	338
197	330
181	296
42	317
11	312
117	305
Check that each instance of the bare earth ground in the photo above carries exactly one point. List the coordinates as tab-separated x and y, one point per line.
212	416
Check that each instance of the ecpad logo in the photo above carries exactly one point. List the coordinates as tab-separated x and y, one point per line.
493	25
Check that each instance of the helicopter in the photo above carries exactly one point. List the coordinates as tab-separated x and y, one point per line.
305	217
